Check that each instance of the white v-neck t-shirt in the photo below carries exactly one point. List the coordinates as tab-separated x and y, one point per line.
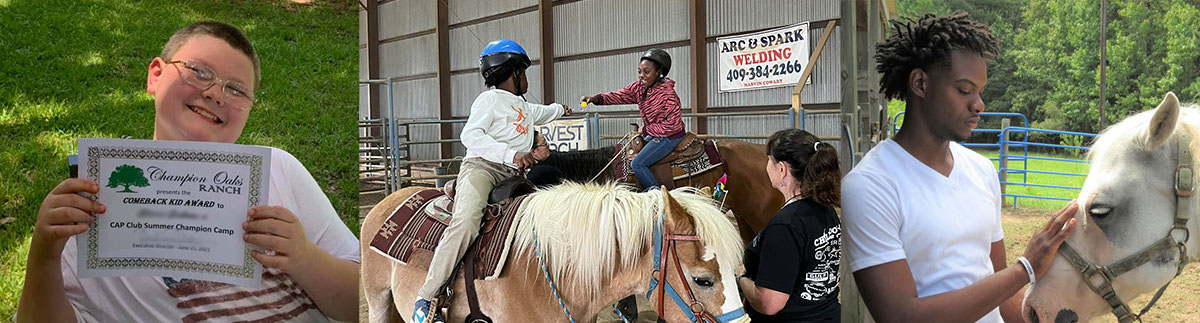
895	207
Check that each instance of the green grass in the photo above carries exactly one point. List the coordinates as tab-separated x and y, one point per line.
1042	179
73	69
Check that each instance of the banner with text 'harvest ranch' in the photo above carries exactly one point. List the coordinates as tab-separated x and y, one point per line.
566	134
766	59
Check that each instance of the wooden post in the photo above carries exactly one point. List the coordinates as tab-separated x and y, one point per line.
699	32
546	39
442	35
375	111
853	309
796	105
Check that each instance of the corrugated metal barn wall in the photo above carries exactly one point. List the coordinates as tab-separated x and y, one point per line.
597	44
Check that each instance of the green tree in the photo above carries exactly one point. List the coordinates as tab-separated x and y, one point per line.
127	175
1058	55
1153	47
1002	17
1155	50
1049	62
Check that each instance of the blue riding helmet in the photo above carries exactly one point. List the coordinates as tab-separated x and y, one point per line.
502	52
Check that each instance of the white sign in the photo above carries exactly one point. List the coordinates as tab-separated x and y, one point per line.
772	58
175	209
566	135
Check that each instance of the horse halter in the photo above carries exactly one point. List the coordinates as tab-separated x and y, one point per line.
1184	189
664	245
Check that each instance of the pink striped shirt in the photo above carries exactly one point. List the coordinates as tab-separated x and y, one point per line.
659	106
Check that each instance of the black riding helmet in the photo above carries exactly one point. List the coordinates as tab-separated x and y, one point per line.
500	54
659	57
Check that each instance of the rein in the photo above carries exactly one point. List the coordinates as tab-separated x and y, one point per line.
610	161
664	246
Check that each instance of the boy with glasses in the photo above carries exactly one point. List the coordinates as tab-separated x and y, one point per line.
203	86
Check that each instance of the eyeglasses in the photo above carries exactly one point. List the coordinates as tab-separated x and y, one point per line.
201	76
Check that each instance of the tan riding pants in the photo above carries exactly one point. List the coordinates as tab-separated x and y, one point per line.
475	182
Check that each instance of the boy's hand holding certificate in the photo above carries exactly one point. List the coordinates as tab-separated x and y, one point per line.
175	209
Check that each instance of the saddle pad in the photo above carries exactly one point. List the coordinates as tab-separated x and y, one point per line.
696	161
698	157
419	222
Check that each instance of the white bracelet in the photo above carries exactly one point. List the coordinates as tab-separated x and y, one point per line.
1028	268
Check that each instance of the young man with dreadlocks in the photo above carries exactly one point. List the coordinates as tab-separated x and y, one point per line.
498	140
921	212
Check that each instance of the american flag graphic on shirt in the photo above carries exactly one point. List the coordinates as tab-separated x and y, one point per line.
279	299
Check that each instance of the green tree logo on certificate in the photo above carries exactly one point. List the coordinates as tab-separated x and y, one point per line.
127	175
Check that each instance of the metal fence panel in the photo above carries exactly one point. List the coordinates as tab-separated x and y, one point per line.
423	132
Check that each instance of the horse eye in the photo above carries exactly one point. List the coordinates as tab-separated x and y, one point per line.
1099	211
705	282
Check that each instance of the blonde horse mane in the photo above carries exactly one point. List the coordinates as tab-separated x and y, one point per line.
584	230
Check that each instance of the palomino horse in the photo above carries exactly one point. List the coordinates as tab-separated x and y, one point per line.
1136	213
598	244
751	197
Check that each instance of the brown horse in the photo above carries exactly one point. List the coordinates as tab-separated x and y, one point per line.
599	243
750	195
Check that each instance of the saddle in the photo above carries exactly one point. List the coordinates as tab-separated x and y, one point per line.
418	224
690	157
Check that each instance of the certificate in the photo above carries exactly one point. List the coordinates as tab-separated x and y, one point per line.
175	209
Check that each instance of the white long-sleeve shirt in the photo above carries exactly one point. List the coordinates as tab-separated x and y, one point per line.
500	125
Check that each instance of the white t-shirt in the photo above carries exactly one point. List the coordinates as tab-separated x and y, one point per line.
500	125
162	299
895	207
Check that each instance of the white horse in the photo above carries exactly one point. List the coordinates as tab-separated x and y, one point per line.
597	243
1135	217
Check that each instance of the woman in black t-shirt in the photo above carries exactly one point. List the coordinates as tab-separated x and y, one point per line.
792	264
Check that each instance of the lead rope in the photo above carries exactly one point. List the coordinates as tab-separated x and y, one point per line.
537	252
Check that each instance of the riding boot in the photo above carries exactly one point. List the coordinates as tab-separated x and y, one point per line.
628	307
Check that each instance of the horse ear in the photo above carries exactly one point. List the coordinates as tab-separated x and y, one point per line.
677	218
1162	124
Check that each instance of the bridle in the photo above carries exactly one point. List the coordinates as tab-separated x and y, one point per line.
664	246
1184	189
